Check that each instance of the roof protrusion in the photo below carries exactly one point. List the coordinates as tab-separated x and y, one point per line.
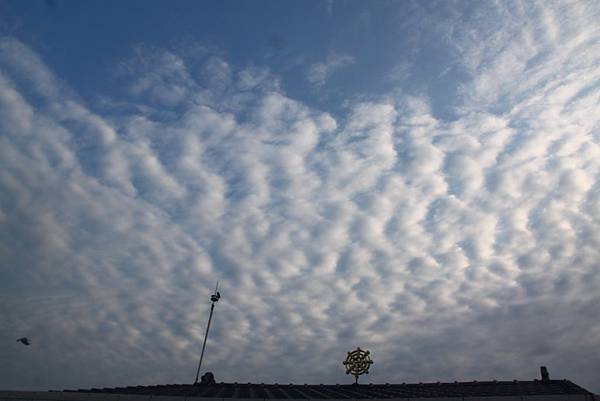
544	373
208	379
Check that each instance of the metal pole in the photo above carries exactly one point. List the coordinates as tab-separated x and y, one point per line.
212	307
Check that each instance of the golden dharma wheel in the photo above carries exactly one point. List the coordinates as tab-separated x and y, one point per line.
357	362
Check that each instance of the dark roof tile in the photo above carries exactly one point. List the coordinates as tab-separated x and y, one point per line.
352	391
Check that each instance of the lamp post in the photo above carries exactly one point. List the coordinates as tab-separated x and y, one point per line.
214	298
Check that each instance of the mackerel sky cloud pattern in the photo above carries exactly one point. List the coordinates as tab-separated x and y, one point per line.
452	226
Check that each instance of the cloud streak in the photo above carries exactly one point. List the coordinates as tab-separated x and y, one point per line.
452	249
319	73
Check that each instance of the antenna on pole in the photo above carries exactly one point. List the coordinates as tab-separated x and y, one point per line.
214	298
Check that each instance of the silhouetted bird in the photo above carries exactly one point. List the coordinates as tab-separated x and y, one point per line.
23	340
218	294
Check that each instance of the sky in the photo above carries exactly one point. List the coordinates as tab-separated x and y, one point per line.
415	178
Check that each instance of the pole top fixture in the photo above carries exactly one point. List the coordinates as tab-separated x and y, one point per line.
216	295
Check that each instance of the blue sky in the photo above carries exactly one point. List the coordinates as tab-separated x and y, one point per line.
414	178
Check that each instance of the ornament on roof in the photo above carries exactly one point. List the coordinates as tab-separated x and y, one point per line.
357	363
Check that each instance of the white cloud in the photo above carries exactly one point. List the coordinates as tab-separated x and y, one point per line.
454	250
319	73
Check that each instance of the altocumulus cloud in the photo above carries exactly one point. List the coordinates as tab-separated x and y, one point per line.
453	249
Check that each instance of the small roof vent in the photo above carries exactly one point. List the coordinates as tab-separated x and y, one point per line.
544	373
208	378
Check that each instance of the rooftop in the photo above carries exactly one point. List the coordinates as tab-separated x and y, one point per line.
353	391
